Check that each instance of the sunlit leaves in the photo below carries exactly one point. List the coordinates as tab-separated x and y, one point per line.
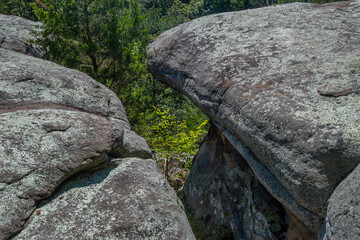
172	138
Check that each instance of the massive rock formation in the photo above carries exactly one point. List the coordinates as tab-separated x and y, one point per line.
282	85
66	139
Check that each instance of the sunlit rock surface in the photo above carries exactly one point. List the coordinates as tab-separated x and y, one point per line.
65	138
282	84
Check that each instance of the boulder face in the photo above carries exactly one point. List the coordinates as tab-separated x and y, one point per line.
128	199
70	166
342	217
282	84
15	33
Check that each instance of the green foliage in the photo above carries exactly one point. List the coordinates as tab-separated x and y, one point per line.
100	37
275	220
20	8
163	15
107	39
172	138
206	7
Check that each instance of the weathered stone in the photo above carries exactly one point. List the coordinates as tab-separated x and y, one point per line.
15	33
27	82
127	199
226	192
57	123
131	146
40	149
282	84
342	217
53	124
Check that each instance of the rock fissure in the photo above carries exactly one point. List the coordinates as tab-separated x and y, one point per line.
16	180
2	40
338	94
86	186
39	202
25	79
272	184
40	106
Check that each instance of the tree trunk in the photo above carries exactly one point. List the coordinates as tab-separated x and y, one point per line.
166	168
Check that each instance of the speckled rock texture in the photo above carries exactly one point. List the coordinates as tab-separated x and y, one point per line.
127	198
62	131
342	217
15	33
282	83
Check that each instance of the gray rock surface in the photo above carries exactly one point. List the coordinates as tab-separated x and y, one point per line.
15	33
40	148
57	123
282	83
27	82
342	217
131	145
127	199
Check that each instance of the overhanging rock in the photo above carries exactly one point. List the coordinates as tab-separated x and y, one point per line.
282	83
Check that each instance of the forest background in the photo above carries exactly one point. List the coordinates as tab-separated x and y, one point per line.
107	39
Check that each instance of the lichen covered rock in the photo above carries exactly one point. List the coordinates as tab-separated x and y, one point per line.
282	85
61	131
342	217
15	33
126	199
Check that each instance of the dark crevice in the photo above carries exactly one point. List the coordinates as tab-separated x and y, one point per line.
237	191
2	40
269	181
60	128
25	79
338	94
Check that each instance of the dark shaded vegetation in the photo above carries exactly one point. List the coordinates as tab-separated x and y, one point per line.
20	8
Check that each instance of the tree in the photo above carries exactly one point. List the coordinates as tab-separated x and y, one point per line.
206	7
100	37
107	39
163	15
171	139
20	8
